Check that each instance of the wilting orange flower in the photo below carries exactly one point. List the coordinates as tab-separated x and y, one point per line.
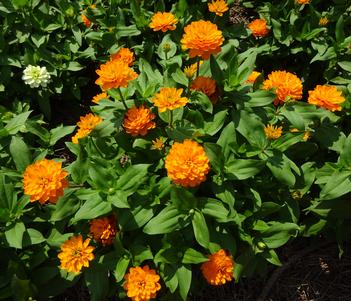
219	7
124	55
85	20
273	132
86	125
253	76
138	121
202	38
100	96
303	1
158	143
169	99
103	229
218	269
44	181
191	70
75	254
328	97
141	283
323	21
206	85
187	163
287	85
258	27
163	21
306	135
115	74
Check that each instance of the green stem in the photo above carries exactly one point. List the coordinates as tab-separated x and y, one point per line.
123	101
171	119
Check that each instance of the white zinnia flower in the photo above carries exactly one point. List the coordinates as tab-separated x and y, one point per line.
36	76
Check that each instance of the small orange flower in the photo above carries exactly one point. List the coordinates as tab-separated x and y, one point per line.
272	132
306	136
169	99
253	76
103	229
100	96
86	125
202	38
206	85
138	121
218	269
191	70
115	74
163	21
44	181
158	143
288	86
141	283
219	7
124	55
323	21
328	97
259	28
303	1
75	254
85	20
187	163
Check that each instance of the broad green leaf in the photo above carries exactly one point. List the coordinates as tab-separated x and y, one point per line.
339	184
241	169
132	178
279	164
59	132
14	235
201	232
192	256
279	233
32	237
20	153
66	206
96	279
17	122
216	122
121	267
184	275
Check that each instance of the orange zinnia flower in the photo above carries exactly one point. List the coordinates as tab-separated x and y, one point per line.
191	70
138	121
287	85
100	96
187	163
253	76
124	55
75	253
163	21
327	97
85	20
86	125
218	269
206	85
103	229
158	143
44	181
272	132
115	74
219	7
169	99
202	38
141	283
258	27
303	1
323	21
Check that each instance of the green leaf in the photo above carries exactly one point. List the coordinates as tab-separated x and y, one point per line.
339	183
280	166
168	220
216	209
132	178
192	256
227	139
14	235
17	122
260	98
32	237
216	122
272	257
136	218
216	71
339	30
66	206
20	153
345	155
35	128
279	233
214	153
201	232
121	267
241	169
8	198
59	132
96	279
169	43
184	276
180	78
127	31
204	101
20	3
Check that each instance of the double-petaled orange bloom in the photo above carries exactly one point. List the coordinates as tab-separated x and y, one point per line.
103	229
273	132
141	283
206	85
202	38
219	7
187	163
259	28
218	269
287	86
163	21
328	97
100	96
169	99
115	74
76	254
125	55
86	125
44	181
138	121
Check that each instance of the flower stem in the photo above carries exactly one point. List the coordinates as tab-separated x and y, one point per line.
198	67
121	95
171	119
